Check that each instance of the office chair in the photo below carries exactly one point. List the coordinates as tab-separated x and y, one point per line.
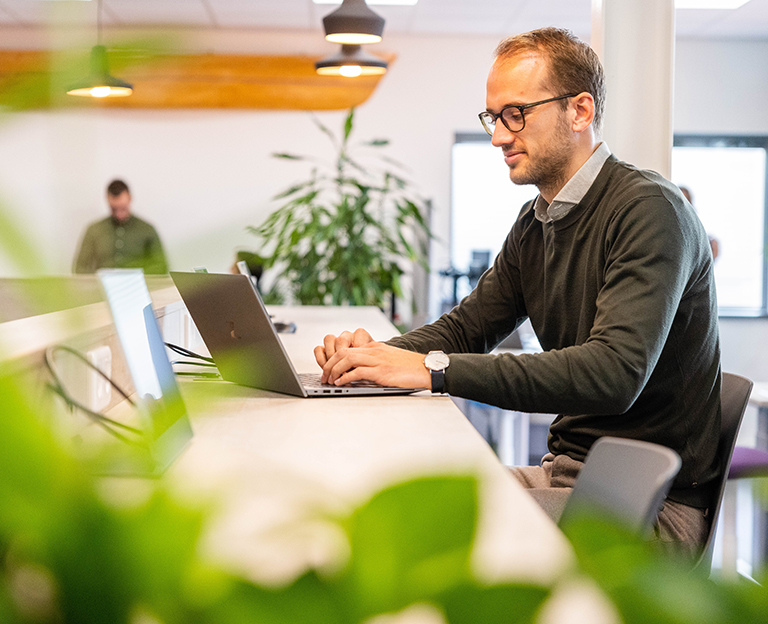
626	479
733	400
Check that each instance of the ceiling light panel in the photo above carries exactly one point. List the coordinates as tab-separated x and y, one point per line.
159	12
373	2
709	4
25	12
293	14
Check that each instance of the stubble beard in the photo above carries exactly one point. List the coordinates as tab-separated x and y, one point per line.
547	169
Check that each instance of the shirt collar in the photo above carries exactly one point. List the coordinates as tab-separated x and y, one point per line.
574	190
117	223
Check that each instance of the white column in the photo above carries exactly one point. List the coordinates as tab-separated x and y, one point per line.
635	40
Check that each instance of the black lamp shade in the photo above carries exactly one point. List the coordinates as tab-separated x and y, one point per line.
351	61
100	83
353	23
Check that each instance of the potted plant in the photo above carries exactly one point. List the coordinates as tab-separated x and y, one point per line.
341	235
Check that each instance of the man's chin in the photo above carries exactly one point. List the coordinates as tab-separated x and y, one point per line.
519	177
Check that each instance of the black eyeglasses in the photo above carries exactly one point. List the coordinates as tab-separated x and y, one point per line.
512	116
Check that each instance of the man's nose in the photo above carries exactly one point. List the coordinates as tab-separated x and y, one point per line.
501	136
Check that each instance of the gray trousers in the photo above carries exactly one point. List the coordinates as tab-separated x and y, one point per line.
680	528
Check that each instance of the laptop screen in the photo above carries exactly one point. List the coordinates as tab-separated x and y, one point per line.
158	396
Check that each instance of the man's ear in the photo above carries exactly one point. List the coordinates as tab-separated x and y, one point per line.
584	107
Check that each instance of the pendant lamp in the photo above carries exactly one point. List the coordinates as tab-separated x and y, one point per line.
351	61
100	83
354	23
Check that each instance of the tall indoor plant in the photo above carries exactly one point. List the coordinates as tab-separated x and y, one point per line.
341	236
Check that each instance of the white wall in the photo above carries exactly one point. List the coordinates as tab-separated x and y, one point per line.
202	176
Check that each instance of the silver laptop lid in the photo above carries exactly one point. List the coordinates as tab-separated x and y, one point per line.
163	412
237	330
243	341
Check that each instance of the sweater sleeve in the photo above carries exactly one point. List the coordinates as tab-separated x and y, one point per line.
649	258
492	311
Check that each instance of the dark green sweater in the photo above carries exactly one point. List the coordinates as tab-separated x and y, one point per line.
621	295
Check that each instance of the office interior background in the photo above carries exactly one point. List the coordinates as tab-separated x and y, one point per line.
202	175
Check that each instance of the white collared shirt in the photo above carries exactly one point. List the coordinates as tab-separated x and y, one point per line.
574	190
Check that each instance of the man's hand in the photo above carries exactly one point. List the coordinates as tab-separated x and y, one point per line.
373	361
331	344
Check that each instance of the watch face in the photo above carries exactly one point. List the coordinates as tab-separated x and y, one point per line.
437	360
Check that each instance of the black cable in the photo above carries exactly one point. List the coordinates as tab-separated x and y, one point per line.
104	421
193	363
187	353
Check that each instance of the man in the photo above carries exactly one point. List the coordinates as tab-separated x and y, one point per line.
713	244
613	269
121	240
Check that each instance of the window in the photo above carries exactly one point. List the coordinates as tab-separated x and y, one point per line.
727	180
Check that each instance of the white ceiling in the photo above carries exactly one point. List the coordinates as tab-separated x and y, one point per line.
487	17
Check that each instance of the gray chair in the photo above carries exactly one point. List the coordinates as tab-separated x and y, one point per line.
624	479
734	397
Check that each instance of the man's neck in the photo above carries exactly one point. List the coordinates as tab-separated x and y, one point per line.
584	148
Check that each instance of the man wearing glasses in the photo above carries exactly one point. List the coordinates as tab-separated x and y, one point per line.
613	269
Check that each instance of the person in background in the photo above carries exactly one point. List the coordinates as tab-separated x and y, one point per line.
714	245
122	240
612	267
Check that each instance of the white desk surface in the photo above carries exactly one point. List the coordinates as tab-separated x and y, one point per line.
275	462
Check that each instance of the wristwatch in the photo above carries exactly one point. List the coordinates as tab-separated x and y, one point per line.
437	362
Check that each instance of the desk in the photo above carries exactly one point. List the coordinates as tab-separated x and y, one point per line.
276	459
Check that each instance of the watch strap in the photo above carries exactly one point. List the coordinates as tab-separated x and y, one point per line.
438	380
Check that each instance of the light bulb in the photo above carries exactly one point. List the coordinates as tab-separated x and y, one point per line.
350	71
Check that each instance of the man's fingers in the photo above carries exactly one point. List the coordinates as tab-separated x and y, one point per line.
320	356
329	342
356	374
361	337
346	360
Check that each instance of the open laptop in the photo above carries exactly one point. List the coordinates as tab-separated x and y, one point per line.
236	328
163	416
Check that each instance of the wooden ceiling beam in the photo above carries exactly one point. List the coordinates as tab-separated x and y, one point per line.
185	81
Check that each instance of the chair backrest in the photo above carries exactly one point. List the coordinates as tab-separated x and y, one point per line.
625	479
734	397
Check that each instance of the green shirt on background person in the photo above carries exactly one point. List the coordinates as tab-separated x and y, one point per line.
133	243
122	240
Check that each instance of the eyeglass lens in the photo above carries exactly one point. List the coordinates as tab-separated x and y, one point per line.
512	117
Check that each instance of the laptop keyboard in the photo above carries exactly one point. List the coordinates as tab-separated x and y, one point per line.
312	380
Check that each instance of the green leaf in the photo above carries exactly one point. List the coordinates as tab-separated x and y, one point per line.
308	600
412	541
510	604
324	129
293	189
348	124
287	156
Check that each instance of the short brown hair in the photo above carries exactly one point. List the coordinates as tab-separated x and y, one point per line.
573	66
117	187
